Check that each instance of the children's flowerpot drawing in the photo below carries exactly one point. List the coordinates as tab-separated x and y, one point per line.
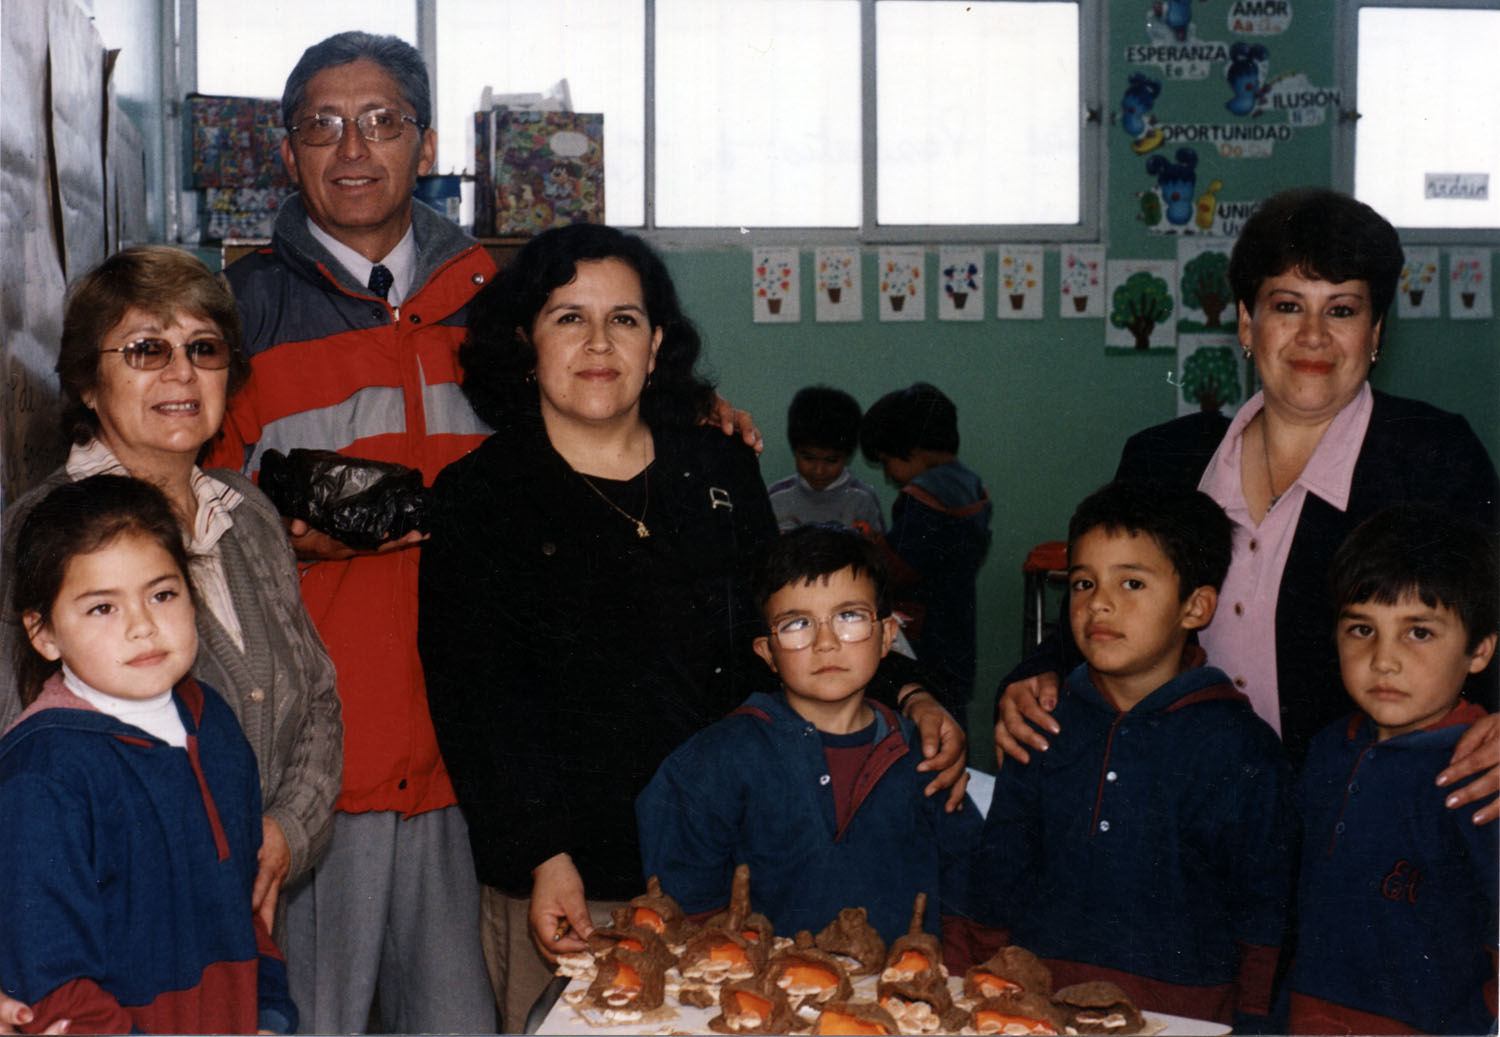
774	304
1080	303
1468	299
1416	296
898	301
959	298
1017	299
834	294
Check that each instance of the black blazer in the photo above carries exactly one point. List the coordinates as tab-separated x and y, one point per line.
1412	452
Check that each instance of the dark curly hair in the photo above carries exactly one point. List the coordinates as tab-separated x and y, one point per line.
919	417
498	357
1321	234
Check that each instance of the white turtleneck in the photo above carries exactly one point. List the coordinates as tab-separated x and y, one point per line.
156	716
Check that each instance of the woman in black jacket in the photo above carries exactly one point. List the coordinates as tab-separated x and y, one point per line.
580	610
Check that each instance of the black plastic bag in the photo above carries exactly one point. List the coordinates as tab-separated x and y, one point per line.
360	502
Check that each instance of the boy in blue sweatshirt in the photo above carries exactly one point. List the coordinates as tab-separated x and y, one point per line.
939	535
1397	894
816	786
1151	847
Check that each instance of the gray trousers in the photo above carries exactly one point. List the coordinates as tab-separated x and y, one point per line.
393	908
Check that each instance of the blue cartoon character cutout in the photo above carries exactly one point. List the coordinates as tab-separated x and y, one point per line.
1135	118
1178	14
1243	73
1177	181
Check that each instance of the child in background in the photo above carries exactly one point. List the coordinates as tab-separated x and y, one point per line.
822	426
940	532
815	787
129	798
1397	895
1151	847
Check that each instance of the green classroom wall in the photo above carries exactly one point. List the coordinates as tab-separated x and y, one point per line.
1043	411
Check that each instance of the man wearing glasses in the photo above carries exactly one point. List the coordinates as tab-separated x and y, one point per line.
352	321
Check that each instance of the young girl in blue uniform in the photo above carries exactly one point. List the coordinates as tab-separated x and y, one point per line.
129	797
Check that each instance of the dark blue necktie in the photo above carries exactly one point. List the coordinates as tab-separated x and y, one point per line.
380	280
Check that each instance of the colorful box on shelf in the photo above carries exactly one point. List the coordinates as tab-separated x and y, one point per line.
233	142
548	169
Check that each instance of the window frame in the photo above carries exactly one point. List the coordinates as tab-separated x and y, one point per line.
1345	138
1092	180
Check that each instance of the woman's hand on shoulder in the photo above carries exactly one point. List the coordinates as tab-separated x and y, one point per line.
1477	751
732	420
312	545
943	745
1025	705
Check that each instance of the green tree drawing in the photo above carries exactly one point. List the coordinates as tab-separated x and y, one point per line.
1211	378
1140	304
1205	286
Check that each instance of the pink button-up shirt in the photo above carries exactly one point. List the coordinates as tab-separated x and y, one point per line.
1241	640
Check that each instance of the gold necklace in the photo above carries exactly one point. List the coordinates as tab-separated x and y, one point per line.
640	523
1265	445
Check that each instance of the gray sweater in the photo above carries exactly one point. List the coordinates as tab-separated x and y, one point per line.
281	686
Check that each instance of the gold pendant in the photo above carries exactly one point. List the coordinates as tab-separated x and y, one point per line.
640	529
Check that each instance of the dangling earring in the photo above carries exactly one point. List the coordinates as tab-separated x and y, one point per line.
1374	356
1247	352
530	378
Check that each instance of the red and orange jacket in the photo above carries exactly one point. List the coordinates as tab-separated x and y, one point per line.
336	368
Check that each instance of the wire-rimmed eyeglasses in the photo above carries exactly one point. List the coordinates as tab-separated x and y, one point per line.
375	125
850	625
153	354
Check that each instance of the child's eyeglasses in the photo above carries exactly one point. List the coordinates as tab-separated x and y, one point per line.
850	625
153	354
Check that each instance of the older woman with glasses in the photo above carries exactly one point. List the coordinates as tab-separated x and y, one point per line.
150	354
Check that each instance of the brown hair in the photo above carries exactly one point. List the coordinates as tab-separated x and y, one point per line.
156	279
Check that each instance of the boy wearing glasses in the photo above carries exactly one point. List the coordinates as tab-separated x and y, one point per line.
815	787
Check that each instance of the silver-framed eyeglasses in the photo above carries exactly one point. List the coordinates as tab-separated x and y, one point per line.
850	625
375	125
153	354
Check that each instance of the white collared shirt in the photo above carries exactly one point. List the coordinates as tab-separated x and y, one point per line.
401	261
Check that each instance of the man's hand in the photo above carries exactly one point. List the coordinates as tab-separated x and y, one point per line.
943	745
559	913
273	863
314	546
14	1015
1478	750
1022	705
731	421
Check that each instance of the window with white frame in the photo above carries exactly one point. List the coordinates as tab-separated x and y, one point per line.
885	119
1425	148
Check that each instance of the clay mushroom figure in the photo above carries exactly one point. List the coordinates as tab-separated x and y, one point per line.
921	1008
752	1008
1030	1014
809	976
1010	970
1099	1007
653	910
628	984
752	925
859	1017
916	957
852	935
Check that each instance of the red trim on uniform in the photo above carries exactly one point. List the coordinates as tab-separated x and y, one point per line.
1214	693
751	711
221	840
964	511
1314	1015
1257	976
225	1000
890	749
86	1006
